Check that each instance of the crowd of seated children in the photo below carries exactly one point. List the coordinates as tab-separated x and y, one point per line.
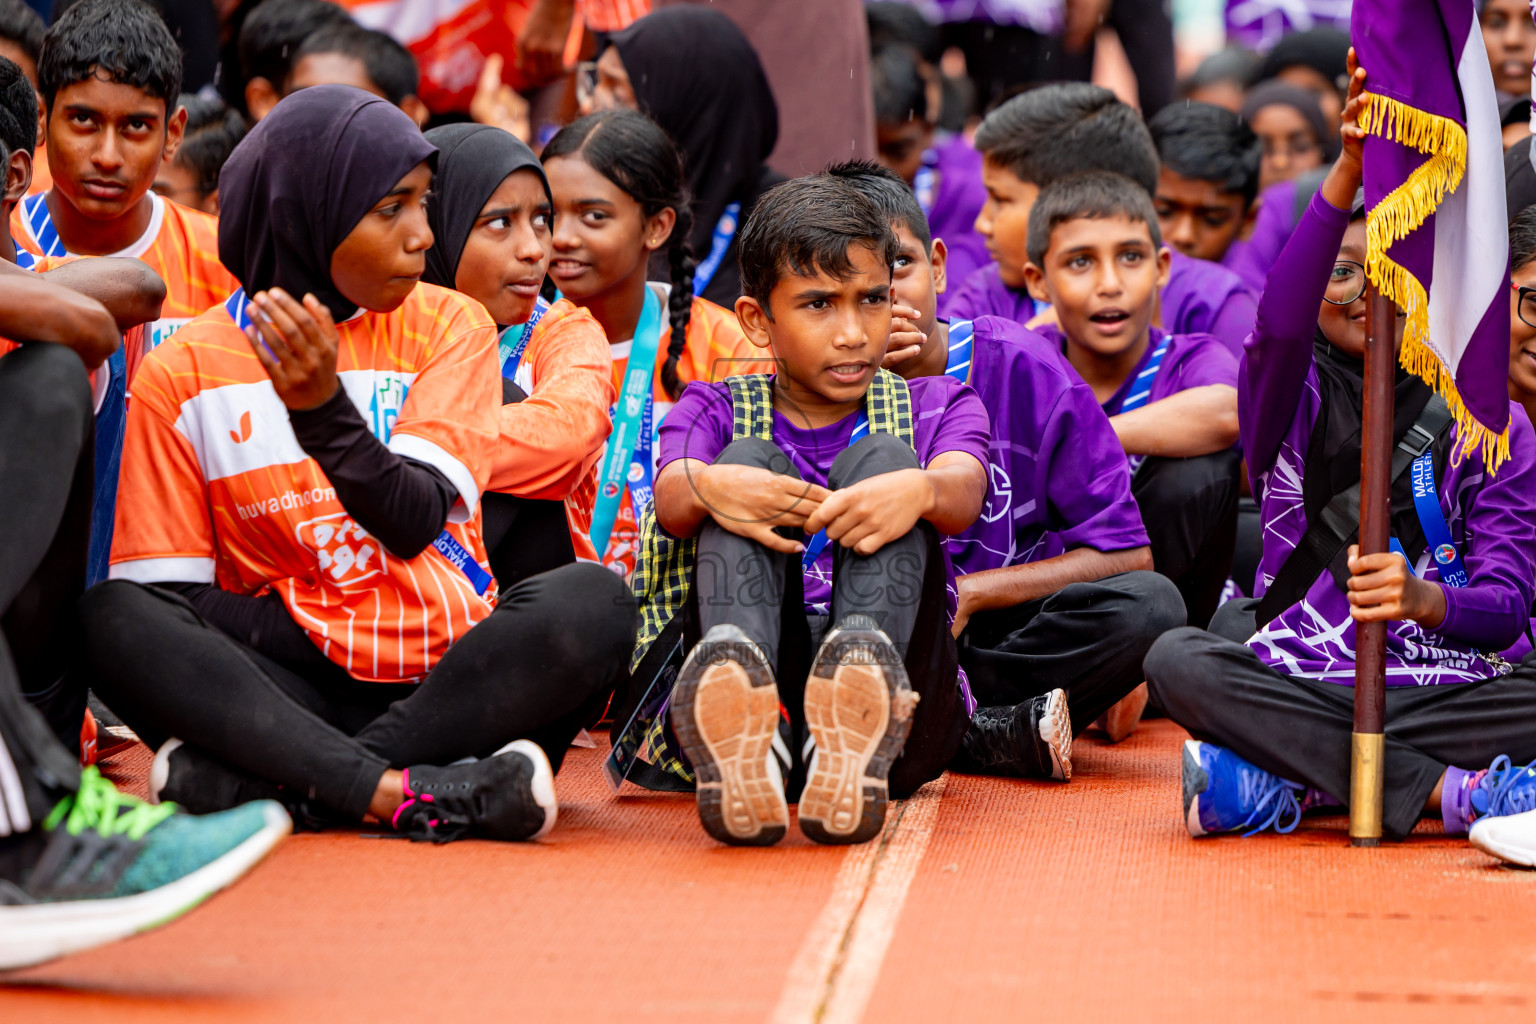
1049	133
1267	692
620	198
1055	604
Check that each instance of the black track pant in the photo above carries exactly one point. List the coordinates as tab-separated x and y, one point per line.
1300	728
1190	509
1088	639
46	458
540	667
901	586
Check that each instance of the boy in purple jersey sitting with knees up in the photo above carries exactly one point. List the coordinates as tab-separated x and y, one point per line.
1056	608
811	504
1096	255
1051	132
1267	692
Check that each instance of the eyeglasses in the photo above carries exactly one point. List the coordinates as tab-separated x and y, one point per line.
586	81
1346	283
1527	306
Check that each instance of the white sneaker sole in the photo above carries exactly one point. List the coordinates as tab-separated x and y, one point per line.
1056	733
1512	839
39	932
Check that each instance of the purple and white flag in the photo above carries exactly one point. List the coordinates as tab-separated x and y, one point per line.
1434	191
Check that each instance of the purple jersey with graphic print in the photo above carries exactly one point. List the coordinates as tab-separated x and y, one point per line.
1489	516
1260	24
1058	476
949	418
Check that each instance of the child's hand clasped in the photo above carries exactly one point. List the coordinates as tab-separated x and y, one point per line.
300	347
1383	588
870	514
752	502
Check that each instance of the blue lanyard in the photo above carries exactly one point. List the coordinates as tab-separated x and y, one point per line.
962	334
628	457
446	544
725	230
25	260
1141	391
815	545
1437	533
510	353
34	209
925	182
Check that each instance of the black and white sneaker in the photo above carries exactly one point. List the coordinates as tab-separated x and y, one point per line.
509	796
1032	740
725	711
858	707
202	784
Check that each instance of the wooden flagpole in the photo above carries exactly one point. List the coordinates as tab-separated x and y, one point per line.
1367	746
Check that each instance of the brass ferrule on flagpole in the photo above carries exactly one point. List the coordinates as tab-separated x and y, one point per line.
1365	786
1367	754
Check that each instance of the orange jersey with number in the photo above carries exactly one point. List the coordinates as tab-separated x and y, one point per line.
215	487
716	349
181	245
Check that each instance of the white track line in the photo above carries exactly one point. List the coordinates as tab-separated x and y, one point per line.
834	972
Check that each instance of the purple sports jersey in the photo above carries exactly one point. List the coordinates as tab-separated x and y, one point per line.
1058	476
1191	361
958	197
949	418
1490	517
1260	24
1206	298
1251	258
1200	298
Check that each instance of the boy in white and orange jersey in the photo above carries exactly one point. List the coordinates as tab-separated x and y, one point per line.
109	74
298	519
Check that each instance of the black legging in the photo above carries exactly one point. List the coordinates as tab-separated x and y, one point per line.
540	667
46	457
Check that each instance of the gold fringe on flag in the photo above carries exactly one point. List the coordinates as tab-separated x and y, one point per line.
1401	212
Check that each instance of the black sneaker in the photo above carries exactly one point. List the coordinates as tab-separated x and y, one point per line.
1032	740
858	707
725	711
102	866
509	796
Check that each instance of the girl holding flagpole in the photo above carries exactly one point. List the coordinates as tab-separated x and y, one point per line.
619	196
1268	691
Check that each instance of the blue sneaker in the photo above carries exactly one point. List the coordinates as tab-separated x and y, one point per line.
1224	793
1505	789
104	865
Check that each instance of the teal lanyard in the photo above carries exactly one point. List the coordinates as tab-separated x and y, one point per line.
631	420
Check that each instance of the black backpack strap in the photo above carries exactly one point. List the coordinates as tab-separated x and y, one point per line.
1337	526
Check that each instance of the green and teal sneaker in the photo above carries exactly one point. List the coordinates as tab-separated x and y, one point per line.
105	865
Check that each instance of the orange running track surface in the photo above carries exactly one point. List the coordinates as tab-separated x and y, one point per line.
986	900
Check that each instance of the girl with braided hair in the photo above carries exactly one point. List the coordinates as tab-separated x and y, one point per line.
619	197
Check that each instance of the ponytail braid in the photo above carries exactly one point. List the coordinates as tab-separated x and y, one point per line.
679	306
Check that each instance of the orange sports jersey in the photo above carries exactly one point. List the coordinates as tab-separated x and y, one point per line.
716	348
551	441
215	487
180	245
